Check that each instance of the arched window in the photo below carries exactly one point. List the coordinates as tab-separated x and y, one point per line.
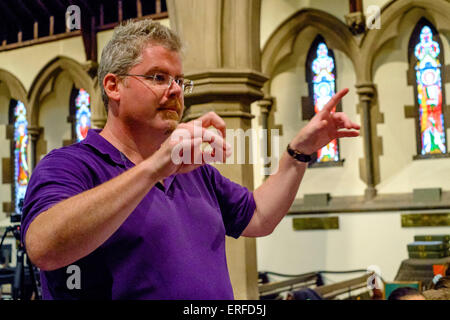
80	106
425	57
18	116
321	78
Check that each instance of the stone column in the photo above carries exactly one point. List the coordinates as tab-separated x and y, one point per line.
366	93
265	106
98	111
223	59
34	133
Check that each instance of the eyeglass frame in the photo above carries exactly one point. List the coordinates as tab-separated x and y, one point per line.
189	84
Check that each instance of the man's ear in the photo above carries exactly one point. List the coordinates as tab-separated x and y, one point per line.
111	85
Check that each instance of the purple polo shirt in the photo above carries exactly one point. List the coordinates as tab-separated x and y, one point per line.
172	246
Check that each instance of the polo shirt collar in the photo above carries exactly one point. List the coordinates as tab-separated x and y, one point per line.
95	140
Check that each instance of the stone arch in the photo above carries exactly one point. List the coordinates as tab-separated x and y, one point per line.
281	43
392	16
80	74
15	87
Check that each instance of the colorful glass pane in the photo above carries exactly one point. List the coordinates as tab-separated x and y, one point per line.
324	87
21	171
429	93
83	114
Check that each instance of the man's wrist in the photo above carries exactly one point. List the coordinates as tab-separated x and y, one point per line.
298	155
151	171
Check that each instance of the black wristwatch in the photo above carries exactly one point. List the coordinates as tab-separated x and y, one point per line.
298	155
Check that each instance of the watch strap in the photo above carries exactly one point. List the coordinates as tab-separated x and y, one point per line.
298	155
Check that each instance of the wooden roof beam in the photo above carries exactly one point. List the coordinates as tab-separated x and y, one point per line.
86	6
356	5
58	4
42	7
27	12
10	16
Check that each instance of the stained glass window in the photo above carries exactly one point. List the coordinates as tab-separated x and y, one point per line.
82	114
429	93
322	85
21	170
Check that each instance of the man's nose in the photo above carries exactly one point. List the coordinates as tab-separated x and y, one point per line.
174	89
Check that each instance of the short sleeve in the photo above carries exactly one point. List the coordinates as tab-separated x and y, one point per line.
236	202
57	176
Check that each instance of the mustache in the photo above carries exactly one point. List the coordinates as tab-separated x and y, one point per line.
174	105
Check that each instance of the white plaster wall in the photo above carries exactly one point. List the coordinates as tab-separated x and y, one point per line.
378	3
165	22
102	39
363	239
275	12
54	111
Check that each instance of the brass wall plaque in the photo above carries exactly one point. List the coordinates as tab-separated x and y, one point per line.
326	223
317	199
427	195
426	220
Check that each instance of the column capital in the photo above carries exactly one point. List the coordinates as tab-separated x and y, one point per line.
228	92
265	104
365	91
225	84
356	22
35	132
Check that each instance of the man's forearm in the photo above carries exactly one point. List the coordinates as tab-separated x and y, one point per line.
77	226
276	195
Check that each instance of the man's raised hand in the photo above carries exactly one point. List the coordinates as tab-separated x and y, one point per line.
183	152
324	127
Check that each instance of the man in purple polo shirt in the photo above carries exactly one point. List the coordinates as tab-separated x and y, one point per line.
118	212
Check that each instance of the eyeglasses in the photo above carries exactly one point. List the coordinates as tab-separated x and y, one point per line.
164	80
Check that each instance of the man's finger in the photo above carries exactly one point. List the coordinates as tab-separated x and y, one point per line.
347	134
212	119
210	136
344	122
194	130
335	100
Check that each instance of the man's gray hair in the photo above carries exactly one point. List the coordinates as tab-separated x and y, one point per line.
124	50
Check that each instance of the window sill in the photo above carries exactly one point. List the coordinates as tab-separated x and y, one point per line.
431	156
327	164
